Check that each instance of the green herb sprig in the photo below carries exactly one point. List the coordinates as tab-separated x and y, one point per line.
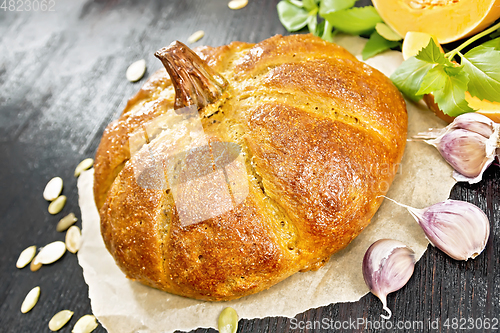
449	75
335	16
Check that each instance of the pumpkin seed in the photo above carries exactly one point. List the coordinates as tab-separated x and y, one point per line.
416	5
228	321
30	300
85	324
57	205
35	263
135	72
73	239
237	4
51	252
196	36
53	189
88	162
60	319
66	222
26	256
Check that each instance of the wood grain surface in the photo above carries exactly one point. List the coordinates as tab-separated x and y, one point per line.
62	80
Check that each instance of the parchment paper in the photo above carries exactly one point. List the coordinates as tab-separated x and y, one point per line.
124	306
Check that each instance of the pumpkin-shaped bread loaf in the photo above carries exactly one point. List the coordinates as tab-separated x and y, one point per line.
245	164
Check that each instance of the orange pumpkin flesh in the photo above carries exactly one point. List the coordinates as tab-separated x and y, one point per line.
486	108
448	20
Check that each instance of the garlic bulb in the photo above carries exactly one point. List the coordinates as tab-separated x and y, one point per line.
458	228
387	266
469	144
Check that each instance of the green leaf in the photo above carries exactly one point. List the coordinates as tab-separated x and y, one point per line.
409	76
455	70
451	98
309	5
320	27
330	6
312	22
292	17
327	32
482	63
354	21
385	31
434	80
297	3
432	54
377	44
494	43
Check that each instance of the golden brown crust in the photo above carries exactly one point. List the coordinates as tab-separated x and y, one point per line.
113	151
321	134
154	98
320	188
347	87
278	50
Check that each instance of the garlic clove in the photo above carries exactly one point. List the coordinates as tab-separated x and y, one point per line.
469	144
474	122
387	266
458	228
465	151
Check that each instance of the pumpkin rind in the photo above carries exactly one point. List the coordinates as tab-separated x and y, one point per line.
448	22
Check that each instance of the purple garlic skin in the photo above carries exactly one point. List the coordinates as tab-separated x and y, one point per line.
474	122
458	228
469	144
387	266
465	151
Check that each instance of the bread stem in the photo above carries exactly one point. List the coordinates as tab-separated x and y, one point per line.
195	83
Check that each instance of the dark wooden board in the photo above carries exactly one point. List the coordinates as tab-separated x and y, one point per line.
62	81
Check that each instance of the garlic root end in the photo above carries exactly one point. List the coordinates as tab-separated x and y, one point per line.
386	317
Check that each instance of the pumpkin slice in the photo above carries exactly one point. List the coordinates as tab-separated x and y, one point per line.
448	20
484	107
414	42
